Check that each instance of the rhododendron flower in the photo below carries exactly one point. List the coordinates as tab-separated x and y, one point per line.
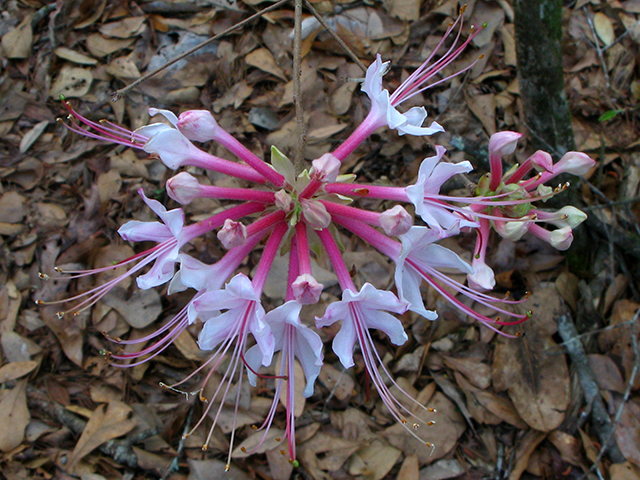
283	209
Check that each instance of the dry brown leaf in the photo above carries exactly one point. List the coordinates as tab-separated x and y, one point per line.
374	461
478	373
14	416
101	47
125	28
71	82
209	469
443	469
109	184
262	59
17	42
139	310
570	447
537	380
606	373
12	207
340	384
124	68
624	471
484	107
73	56
279	464
107	422
604	28
410	469
627	435
450	425
261	441
32	135
408	10
14	370
525	448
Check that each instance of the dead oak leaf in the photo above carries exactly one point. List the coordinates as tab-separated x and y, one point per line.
106	423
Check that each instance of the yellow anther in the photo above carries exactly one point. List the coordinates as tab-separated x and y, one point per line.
227	467
43	276
60	315
431	423
416	426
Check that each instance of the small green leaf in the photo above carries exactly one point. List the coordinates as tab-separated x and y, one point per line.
606	116
283	165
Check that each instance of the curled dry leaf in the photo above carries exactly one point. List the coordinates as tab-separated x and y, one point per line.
17	42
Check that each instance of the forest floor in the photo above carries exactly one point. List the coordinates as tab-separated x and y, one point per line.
534	407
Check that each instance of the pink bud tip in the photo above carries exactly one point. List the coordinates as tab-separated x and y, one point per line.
183	188
396	221
198	125
232	234
306	289
326	168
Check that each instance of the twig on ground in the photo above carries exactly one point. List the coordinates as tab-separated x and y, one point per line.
173	467
123	91
334	35
118	449
627	392
600	420
598	49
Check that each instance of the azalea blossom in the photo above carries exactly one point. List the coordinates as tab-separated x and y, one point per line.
282	209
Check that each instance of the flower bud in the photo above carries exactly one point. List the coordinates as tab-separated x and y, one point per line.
574	216
395	221
183	188
198	125
482	277
503	143
542	161
561	238
283	201
315	214
575	163
326	168
232	234
512	230
306	289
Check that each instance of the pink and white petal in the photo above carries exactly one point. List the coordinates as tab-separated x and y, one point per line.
443	172
168	114
171	146
308	350
216	329
160	273
173	219
416	131
242	287
253	358
438	257
334	312
387	323
373	299
136	231
344	341
408	282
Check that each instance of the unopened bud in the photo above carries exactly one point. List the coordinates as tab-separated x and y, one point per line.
503	143
306	289
482	277
572	216
512	230
183	188
561	238
575	163
396	221
283	201
542	161
315	214
326	168
232	234
198	125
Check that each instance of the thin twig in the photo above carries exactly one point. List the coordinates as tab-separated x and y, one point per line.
627	392
600	420
187	427
598	49
123	91
297	87
335	36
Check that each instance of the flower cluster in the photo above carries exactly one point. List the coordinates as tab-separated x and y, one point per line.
288	210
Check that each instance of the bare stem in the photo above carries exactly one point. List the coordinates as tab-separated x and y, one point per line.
123	91
297	88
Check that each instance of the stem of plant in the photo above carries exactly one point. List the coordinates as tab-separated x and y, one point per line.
297	88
